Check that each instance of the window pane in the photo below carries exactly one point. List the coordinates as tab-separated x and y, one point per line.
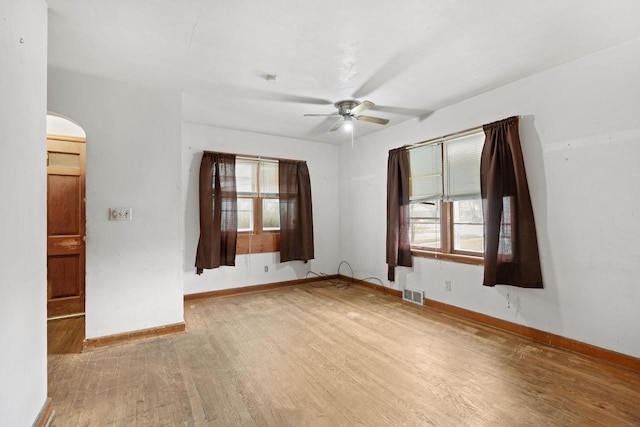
270	214
425	225
246	177
468	233
425	163
462	166
245	214
505	247
268	179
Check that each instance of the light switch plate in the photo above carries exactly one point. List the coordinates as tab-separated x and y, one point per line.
120	214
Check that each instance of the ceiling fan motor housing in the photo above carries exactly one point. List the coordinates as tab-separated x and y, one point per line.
345	107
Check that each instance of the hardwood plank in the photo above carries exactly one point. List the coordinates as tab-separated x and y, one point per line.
65	335
316	355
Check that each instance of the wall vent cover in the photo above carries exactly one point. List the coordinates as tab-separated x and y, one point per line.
413	295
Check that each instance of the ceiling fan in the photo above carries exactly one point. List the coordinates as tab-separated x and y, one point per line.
347	111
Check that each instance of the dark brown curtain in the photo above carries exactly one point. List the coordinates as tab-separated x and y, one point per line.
511	247
296	217
398	247
218	211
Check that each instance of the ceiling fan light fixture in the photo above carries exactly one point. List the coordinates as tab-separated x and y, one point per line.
348	124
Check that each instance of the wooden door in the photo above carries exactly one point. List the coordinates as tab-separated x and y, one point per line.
65	225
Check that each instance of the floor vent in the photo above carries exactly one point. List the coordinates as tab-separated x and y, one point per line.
413	295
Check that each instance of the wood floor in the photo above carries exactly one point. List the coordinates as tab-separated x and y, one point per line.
65	336
319	356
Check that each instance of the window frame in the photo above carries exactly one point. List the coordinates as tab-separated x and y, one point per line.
446	251
257	240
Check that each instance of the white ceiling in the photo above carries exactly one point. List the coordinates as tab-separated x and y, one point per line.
419	55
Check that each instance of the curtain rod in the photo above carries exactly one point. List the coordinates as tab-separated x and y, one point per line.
253	156
442	138
458	134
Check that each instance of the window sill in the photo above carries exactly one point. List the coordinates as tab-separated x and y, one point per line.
249	243
463	259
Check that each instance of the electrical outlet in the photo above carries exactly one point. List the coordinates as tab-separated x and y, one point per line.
120	214
266	268
447	285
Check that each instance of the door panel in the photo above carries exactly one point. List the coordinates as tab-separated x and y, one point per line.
65	227
64	276
63	205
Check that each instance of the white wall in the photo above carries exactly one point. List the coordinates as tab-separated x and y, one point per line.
23	229
580	132
133	274
322	160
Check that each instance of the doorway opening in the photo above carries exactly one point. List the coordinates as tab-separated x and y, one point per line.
66	234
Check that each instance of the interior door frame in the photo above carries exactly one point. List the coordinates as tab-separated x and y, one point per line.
52	140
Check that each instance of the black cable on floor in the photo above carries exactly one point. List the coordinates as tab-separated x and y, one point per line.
343	284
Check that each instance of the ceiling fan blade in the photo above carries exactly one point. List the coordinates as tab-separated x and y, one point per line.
337	125
265	95
322	127
322	115
364	105
420	114
370	119
400	110
397	65
301	99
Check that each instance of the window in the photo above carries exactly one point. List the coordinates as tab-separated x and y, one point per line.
258	205
446	208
